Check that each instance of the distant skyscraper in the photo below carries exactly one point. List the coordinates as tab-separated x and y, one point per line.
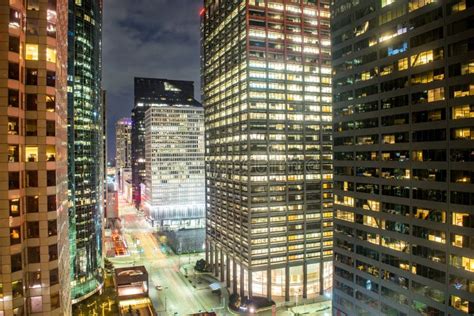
123	143
174	159
266	77
151	92
86	174
403	147
33	159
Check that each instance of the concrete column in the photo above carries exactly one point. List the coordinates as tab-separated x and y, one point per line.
305	281
321	278
242	290
250	284
287	283
227	271
269	283
221	263
234	276
207	251
216	262
211	256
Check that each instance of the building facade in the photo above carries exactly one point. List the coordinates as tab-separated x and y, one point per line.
150	92
33	159
123	149
123	143
174	163
266	75
403	146
86	156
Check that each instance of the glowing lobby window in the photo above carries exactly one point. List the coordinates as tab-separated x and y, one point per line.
31	52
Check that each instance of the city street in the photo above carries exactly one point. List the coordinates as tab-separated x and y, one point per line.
179	296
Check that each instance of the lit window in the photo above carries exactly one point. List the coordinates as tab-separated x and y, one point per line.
51	55
31	52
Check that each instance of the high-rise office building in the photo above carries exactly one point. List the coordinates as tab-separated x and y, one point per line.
123	143
86	174
266	74
33	159
403	147
151	92
174	163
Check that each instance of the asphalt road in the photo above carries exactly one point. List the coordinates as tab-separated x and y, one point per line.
163	269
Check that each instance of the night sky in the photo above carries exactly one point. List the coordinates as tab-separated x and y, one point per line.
146	38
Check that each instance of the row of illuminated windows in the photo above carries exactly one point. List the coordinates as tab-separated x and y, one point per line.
260	33
433	135
325	80
435	175
290	96
30	153
460	219
289	87
32	53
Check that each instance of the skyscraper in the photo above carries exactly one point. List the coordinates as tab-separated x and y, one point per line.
33	159
123	143
151	92
266	77
86	174
174	163
403	147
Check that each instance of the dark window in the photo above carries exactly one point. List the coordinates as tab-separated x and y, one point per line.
31	178
34	255
53	277
13	98
51	178
32	205
32	229
31	128
13	180
14	44
16	262
50	128
51	78
31	102
52	228
53	252
52	203
13	71
32	76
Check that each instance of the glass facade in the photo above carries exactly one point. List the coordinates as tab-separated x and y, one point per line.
85	122
266	74
403	148
34	279
174	154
